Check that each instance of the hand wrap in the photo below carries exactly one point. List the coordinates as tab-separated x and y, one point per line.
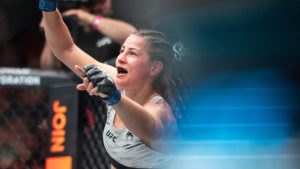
47	5
104	83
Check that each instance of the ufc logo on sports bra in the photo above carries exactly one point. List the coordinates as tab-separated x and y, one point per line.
111	136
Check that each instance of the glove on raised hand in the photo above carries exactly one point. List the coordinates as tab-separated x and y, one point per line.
47	5
104	83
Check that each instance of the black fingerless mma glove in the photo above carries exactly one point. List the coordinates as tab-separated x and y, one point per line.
47	5
104	83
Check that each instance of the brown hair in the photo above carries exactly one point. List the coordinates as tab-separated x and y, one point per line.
160	49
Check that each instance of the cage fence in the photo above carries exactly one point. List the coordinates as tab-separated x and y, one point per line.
25	121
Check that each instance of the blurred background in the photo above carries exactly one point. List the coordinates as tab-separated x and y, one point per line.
238	64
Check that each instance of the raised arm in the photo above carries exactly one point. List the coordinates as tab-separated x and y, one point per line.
115	29
63	47
47	59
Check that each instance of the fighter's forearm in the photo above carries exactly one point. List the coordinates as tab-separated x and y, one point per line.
56	32
115	29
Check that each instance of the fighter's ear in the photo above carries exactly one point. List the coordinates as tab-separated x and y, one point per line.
156	68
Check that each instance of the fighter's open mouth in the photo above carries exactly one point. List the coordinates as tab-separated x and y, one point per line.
121	70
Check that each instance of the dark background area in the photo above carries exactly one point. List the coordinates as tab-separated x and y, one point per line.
222	34
242	72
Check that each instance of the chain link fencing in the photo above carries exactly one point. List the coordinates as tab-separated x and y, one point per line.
25	124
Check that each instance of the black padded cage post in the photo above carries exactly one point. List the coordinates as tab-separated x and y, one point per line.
62	148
